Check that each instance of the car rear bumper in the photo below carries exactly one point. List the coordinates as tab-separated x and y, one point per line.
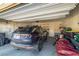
22	46
21	41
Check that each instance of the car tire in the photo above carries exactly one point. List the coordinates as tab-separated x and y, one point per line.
17	49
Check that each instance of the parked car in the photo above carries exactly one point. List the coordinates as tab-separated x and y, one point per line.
30	37
3	39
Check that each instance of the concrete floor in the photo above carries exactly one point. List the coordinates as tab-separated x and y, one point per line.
48	50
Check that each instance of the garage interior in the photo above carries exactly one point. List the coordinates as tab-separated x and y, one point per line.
50	16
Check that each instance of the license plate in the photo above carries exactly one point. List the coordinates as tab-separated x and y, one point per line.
22	36
16	36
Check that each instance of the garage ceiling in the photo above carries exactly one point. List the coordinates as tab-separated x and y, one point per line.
37	11
5	6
